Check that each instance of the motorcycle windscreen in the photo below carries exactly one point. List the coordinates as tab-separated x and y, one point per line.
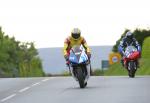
129	50
78	55
73	58
83	58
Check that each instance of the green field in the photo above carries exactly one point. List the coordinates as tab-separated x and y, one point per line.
117	69
145	60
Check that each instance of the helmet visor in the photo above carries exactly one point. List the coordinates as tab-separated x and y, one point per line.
75	36
130	36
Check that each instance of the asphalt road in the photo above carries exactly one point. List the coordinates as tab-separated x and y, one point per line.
103	89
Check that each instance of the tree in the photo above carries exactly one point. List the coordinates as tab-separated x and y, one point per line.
139	34
16	58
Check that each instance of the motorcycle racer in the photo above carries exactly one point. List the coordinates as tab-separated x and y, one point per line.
75	39
128	40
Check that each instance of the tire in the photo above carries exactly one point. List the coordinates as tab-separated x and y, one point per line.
85	84
132	70
80	77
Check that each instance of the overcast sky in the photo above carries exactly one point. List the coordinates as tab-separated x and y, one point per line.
49	22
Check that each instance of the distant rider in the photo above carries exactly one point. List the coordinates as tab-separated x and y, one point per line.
75	39
128	40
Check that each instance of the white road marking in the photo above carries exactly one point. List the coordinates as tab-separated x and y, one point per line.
45	80
35	84
24	89
9	97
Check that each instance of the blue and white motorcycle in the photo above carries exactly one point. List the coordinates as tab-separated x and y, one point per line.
79	65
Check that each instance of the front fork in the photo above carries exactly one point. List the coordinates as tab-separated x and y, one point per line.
136	65
87	72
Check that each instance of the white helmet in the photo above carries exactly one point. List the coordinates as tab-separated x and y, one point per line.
75	33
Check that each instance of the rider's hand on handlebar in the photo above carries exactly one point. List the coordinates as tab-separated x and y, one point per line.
66	57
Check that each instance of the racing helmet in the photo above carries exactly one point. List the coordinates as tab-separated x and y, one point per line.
75	33
129	35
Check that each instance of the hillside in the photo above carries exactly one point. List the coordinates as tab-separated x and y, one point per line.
146	48
145	60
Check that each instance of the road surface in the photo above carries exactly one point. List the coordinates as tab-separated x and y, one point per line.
100	89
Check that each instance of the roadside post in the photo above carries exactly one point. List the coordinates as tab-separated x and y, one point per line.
105	65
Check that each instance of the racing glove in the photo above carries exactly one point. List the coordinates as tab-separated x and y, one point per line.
66	57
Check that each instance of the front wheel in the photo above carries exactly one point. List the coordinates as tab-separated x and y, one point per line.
131	69
81	78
